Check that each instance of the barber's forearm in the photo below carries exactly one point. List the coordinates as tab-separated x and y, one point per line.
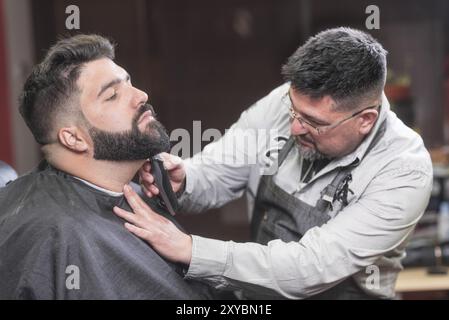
280	269
208	257
193	197
221	265
205	188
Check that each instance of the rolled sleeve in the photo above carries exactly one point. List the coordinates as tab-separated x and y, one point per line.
209	259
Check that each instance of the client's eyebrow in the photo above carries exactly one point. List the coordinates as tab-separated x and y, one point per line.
112	83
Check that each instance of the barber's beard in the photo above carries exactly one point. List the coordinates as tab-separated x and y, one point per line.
132	144
307	153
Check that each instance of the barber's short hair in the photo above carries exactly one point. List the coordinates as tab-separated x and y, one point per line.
347	64
49	91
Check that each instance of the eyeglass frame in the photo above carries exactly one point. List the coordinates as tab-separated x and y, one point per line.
320	130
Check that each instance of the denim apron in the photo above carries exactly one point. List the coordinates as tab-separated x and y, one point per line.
280	215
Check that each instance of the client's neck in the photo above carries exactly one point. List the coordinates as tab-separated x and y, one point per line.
110	175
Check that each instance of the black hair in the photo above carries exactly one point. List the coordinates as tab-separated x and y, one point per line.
347	64
50	90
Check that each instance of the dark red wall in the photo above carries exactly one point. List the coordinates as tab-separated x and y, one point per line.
5	126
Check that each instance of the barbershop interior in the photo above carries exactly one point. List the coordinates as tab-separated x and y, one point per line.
206	62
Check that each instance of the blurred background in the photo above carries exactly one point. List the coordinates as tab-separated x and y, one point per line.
210	60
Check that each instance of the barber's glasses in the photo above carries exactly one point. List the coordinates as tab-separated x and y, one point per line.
319	129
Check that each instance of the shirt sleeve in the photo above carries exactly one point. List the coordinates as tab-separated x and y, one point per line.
220	173
378	222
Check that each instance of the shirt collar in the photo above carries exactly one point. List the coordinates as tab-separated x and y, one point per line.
361	150
109	192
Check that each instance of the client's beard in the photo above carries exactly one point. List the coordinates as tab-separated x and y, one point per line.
132	144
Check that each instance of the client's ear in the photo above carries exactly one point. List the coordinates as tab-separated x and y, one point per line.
72	138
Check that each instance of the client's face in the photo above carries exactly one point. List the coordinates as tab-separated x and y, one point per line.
122	125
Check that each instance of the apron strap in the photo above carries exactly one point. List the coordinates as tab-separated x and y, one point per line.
284	151
328	194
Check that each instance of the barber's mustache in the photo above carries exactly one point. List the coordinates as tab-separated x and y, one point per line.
305	139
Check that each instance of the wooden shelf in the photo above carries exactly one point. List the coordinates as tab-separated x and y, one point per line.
418	280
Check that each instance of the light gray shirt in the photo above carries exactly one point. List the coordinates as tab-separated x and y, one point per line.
365	239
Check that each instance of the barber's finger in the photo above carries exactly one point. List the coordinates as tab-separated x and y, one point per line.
170	161
149	189
140	232
147	166
140	207
126	215
139	220
136	203
165	156
154	190
145	185
147	177
147	192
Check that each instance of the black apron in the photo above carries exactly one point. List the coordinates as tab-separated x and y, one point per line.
280	215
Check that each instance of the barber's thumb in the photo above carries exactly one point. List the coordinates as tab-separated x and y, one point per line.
170	161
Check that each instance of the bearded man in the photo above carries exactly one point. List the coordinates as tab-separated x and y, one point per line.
59	238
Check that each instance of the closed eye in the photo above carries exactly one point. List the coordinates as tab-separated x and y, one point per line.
112	97
313	122
317	123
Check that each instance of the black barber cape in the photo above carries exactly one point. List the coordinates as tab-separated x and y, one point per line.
59	239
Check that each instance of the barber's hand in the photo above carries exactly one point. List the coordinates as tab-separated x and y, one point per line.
158	231
175	170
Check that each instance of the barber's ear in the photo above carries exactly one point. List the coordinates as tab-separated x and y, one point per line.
73	139
367	120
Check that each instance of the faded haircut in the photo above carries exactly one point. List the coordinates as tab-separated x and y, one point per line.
50	92
347	64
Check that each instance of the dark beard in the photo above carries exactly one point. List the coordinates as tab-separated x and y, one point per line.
132	144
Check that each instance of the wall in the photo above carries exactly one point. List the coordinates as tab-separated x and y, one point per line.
20	52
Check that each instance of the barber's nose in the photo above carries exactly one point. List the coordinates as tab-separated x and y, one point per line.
296	128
